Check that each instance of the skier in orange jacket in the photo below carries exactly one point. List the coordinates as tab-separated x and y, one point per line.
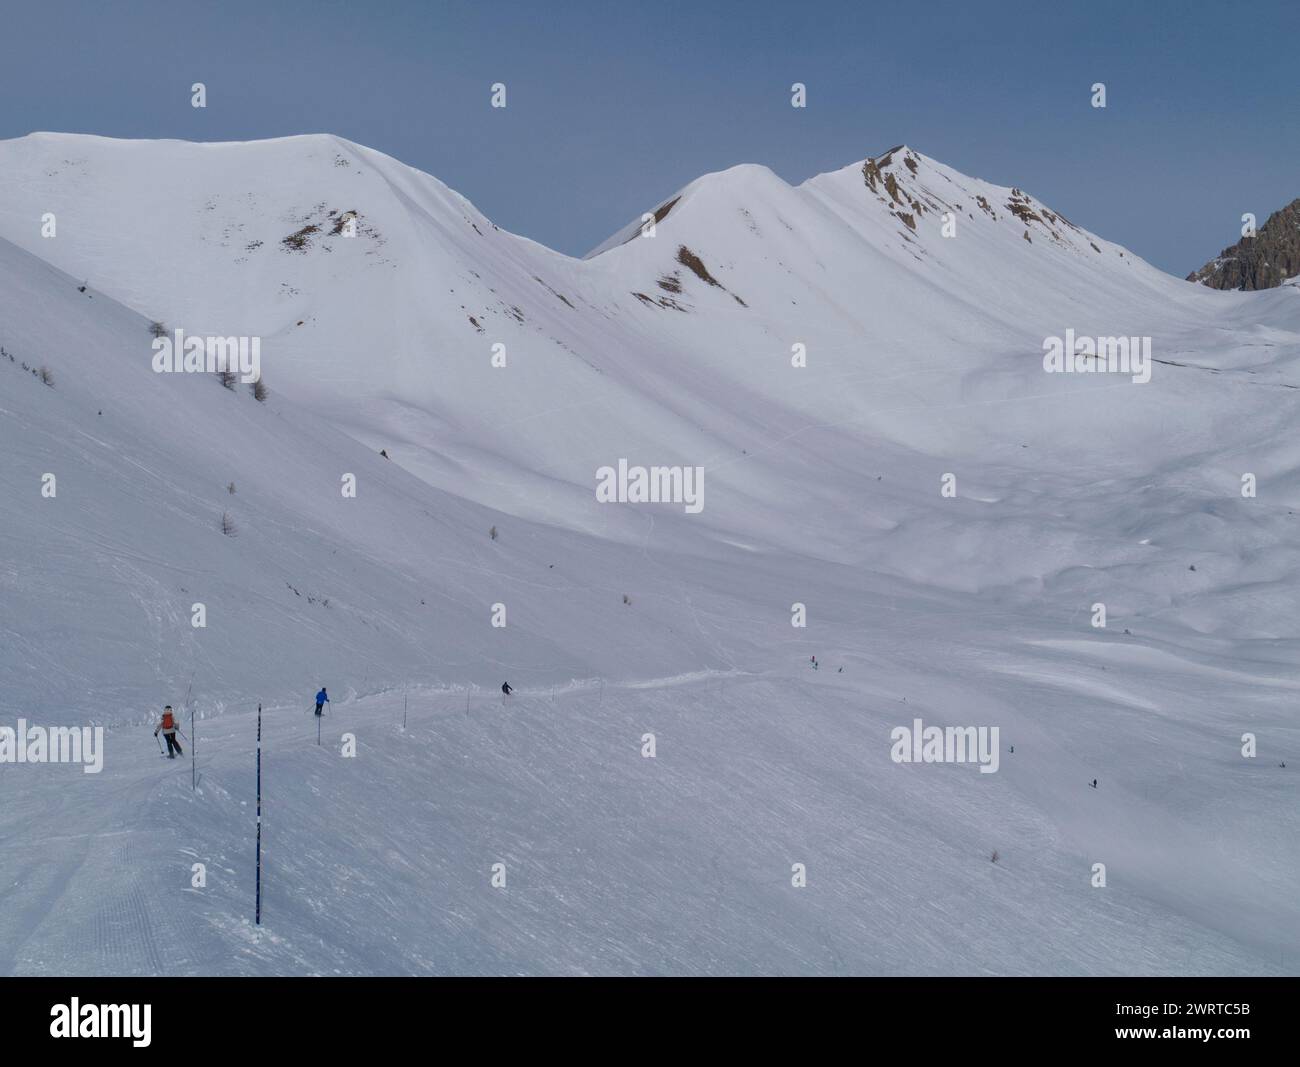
168	727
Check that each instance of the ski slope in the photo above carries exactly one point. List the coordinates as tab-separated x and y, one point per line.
822	488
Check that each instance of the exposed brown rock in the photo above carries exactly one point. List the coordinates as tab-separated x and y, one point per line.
1260	262
1022	210
695	265
662	212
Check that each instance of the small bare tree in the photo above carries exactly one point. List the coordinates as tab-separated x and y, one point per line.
231	489
492	533
47	376
626	599
157	329
227	379
260	391
227	524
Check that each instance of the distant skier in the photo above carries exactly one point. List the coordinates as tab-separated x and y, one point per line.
168	728
506	688
814	663
322	698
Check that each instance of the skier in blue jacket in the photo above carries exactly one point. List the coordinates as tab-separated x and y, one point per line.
322	698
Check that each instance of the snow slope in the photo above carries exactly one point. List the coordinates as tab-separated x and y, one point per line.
822	488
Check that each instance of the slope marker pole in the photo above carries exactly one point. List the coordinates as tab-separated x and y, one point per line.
258	913
194	744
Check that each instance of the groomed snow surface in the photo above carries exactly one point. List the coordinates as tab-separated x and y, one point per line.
822	488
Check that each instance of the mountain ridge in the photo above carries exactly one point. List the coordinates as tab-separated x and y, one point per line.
333	140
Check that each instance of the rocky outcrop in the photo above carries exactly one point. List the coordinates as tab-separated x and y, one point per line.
1260	262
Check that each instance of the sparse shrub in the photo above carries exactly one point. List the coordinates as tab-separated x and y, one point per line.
260	391
47	376
297	242
157	329
626	599
995	855
227	524
492	533
231	489
228	379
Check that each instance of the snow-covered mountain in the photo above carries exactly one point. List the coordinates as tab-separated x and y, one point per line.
499	377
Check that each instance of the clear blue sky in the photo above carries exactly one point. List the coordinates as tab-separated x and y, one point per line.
614	105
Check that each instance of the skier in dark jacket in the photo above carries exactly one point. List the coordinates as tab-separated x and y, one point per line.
506	688
322	698
168	727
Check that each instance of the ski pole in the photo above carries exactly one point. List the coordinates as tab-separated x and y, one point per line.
160	748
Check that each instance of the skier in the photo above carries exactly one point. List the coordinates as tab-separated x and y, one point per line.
168	728
322	698
814	662
506	688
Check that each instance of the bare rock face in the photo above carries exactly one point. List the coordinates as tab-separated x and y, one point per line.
1260	262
